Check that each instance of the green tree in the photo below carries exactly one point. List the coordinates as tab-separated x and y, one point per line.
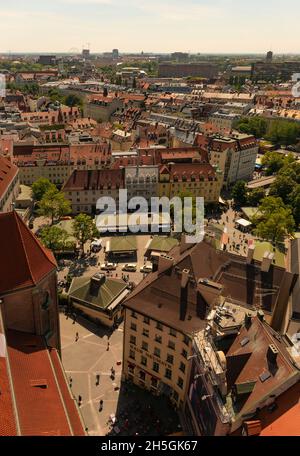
73	100
54	238
282	187
277	226
256	126
239	193
275	221
283	132
294	200
272	162
255	196
40	187
84	229
54	205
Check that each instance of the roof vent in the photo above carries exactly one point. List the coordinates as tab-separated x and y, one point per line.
39	384
272	354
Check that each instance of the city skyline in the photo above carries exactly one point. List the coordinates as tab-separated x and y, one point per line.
225	26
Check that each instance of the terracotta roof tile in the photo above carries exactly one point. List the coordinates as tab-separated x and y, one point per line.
41	410
24	261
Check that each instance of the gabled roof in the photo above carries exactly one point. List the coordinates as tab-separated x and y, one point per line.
24	261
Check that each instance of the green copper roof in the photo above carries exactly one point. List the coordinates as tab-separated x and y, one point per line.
163	244
102	296
122	244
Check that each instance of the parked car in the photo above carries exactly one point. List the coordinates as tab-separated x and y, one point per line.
129	267
146	269
96	245
67	217
108	267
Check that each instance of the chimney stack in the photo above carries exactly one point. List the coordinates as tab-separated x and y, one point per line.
250	254
165	262
272	354
184	246
267	261
248	319
184	294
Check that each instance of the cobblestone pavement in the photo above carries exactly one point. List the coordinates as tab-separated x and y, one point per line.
137	411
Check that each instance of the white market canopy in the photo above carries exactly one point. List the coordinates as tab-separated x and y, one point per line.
243	222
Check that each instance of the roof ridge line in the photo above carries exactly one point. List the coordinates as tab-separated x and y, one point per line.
38	243
17	219
58	388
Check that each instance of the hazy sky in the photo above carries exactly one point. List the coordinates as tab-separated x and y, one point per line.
150	25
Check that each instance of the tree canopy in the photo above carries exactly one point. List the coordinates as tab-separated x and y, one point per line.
54	205
239	193
54	238
40	187
275	221
256	126
84	229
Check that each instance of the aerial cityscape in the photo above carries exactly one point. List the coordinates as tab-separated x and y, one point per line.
149	219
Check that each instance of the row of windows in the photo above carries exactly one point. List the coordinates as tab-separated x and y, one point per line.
157	351
159	326
168	375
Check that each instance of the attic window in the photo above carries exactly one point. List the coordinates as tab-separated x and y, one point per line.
264	376
245	341
39	383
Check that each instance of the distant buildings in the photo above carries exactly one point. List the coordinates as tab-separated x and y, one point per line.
235	155
196	179
86	54
47	60
84	188
141	181
180	70
272	71
57	162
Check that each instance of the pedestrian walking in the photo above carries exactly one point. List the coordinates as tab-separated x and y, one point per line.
76	337
108	344
97	379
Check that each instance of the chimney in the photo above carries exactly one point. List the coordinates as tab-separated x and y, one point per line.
96	281
250	254
272	354
184	294
165	262
267	261
261	315
185	278
184	246
248	319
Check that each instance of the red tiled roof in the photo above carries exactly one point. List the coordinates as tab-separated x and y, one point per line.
191	169
7	417
93	180
42	410
8	171
285	420
67	398
24	261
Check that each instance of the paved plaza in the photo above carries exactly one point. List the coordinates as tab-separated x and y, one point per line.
137	411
